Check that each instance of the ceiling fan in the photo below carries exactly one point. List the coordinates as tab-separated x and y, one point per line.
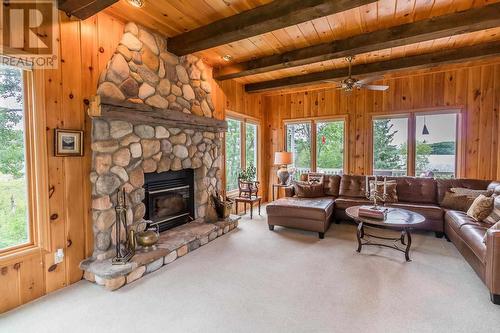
350	83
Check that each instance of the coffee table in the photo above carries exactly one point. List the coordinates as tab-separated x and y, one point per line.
397	219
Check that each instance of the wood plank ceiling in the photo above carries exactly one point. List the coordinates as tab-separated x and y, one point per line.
174	17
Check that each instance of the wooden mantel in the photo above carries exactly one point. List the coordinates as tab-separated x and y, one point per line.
138	113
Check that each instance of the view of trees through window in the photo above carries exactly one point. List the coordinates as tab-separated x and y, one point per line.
251	145
233	153
298	141
435	145
13	186
390	137
330	147
240	154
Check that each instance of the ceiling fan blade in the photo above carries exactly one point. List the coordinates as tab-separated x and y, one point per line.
375	87
369	79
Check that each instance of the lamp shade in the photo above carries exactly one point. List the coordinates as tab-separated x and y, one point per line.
282	158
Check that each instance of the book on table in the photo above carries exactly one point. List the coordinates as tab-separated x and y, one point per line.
373	212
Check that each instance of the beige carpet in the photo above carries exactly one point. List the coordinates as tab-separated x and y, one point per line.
255	280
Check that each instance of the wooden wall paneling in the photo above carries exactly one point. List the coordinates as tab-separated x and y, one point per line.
31	279
90	69
9	287
495	154
486	121
472	124
56	278
74	177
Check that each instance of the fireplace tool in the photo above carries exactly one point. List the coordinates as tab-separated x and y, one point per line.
123	254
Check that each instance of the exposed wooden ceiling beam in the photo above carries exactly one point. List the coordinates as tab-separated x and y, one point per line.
383	67
275	15
429	29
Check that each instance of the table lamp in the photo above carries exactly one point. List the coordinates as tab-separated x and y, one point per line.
283	158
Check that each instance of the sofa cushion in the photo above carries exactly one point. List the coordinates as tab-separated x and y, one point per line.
346	202
444	185
494	216
481	208
312	209
308	190
429	211
353	186
455	201
391	192
331	183
470	231
416	190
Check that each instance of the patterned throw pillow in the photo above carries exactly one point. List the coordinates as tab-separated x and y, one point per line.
392	195
315	178
494	216
307	190
458	202
481	208
496	226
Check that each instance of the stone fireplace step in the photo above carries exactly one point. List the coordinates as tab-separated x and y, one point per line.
173	244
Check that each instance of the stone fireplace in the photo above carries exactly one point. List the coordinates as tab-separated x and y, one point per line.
155	122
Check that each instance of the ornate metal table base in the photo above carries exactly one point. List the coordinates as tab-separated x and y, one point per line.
404	239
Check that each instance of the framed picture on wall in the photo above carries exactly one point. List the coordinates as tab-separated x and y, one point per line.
68	142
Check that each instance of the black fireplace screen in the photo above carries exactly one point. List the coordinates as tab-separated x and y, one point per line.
169	198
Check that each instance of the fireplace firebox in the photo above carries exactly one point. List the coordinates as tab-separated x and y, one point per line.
169	198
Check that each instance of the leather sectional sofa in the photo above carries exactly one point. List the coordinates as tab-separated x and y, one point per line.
421	195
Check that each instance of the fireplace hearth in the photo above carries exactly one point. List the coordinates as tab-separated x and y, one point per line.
169	198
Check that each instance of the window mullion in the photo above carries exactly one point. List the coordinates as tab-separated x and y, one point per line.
313	146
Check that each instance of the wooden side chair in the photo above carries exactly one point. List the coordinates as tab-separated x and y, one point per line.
248	193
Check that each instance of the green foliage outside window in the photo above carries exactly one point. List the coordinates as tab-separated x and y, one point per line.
13	210
330	145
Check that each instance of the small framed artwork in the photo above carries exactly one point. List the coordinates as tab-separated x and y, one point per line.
68	142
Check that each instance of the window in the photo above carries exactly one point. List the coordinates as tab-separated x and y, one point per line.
330	147
390	146
241	149
436	145
251	145
298	141
14	221
233	153
423	145
317	145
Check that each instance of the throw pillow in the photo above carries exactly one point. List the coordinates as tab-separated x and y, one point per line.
481	208
494	216
315	178
496	226
307	190
455	201
470	193
392	195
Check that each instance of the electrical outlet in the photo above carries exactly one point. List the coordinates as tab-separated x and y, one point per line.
58	256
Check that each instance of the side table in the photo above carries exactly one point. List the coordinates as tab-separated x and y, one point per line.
278	186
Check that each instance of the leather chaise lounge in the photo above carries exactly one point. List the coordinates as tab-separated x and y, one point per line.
421	195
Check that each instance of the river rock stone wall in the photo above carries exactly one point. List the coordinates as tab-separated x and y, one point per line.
123	153
143	71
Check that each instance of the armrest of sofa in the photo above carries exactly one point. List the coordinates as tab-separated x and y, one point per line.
289	191
493	261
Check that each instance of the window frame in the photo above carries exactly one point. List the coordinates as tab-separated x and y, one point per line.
36	168
314	133
244	120
412	138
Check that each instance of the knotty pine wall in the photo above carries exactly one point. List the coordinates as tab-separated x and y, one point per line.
85	48
474	87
